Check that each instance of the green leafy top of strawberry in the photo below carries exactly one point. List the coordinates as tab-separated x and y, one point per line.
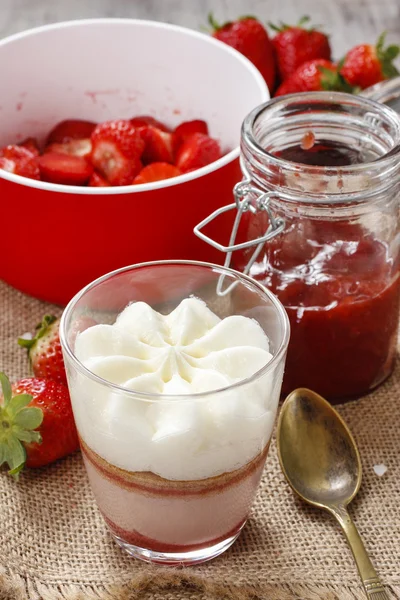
18	422
333	80
284	26
386	56
41	329
217	26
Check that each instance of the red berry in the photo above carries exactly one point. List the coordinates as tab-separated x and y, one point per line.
312	76
64	169
57	430
19	160
81	147
158	145
197	151
96	180
250	38
36	423
31	144
116	150
156	171
71	129
186	129
366	64
146	120
295	45
44	350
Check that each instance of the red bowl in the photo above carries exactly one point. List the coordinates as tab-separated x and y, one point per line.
59	238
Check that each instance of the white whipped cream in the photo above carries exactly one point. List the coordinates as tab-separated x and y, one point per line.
188	351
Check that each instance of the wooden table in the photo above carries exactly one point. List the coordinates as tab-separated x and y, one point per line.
347	21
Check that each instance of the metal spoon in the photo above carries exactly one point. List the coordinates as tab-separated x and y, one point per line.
320	460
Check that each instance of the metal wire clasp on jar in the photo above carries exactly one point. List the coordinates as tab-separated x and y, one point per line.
243	193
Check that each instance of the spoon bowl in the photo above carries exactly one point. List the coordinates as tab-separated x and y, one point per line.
318	454
321	462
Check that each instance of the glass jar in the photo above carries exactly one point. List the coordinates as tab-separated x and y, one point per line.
320	204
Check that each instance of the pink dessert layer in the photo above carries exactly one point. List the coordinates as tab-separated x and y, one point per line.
172	516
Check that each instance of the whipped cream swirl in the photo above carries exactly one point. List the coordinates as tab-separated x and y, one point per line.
188	351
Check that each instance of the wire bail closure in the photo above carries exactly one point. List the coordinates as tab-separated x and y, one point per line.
242	204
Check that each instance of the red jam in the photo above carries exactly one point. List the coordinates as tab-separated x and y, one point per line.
341	291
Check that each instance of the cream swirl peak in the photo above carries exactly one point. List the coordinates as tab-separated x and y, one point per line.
189	351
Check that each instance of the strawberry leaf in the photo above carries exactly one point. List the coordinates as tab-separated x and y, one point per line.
392	52
334	81
213	23
15	472
278	28
29	418
18	424
18	403
303	20
15	453
41	330
6	387
387	56
27	436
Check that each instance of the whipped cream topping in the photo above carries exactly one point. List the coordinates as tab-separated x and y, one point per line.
188	351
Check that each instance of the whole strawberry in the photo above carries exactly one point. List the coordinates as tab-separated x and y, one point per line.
250	38
295	45
366	64
314	76
36	423
44	350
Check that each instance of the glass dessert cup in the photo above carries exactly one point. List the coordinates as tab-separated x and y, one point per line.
174	476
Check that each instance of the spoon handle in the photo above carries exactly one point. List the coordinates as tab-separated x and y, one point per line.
372	584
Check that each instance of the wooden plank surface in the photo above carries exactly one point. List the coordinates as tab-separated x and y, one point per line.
347	21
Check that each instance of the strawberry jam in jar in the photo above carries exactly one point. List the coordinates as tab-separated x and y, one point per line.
318	224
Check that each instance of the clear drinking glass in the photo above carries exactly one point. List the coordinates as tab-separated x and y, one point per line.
174	476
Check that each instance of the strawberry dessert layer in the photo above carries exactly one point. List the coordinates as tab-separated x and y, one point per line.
172	516
170	432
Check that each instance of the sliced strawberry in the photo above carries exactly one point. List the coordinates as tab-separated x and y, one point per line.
116	150
19	160
81	147
71	129
7	165
197	151
158	145
146	120
64	169
96	180
188	128
16	153
157	171
31	144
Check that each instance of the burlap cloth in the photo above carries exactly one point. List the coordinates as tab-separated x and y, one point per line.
55	546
